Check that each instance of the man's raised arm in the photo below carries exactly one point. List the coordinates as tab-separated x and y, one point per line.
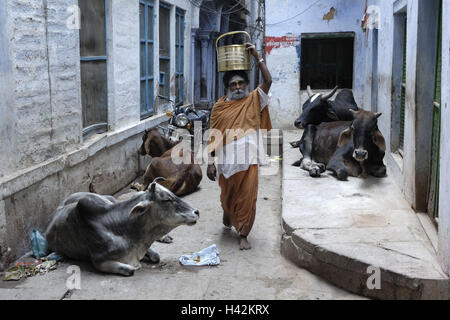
267	78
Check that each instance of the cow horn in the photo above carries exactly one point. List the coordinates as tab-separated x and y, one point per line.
159	178
377	115
329	95
310	93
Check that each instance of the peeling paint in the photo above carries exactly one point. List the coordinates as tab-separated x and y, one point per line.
330	15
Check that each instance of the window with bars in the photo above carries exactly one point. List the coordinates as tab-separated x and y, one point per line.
93	66
164	52
403	94
179	56
399	84
433	194
327	60
146	22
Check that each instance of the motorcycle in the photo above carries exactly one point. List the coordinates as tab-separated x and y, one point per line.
185	118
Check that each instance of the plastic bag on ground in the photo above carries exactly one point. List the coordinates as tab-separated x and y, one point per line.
206	257
39	244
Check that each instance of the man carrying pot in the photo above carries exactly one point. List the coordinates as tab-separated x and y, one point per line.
239	116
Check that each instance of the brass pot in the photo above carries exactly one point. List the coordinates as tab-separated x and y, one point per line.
233	57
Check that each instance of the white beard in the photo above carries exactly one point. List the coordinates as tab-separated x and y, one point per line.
237	94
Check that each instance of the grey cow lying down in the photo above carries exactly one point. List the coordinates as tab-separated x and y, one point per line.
116	236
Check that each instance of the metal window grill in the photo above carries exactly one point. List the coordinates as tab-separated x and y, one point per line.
146	36
93	66
164	50
179	58
403	94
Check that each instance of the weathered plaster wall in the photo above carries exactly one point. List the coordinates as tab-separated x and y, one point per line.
44	107
43	157
7	112
411	170
444	191
123	64
284	60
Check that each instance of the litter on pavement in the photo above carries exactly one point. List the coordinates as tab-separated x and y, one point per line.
40	263
206	257
28	268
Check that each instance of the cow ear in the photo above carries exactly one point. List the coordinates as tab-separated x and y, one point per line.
332	115
345	137
140	208
378	140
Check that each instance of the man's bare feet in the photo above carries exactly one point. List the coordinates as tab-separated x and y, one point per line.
226	221
244	244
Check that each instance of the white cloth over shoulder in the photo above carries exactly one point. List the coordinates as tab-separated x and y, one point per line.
238	155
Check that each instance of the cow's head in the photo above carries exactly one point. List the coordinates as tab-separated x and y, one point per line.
161	206
316	109
363	131
154	144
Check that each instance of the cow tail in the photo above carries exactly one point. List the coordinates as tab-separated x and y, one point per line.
297	163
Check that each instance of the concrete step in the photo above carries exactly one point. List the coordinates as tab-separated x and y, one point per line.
348	232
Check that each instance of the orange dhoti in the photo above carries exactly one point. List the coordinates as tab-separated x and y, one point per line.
238	197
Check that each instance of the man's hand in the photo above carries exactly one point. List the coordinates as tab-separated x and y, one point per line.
211	172
267	78
252	49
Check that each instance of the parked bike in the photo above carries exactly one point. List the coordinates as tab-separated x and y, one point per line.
185	118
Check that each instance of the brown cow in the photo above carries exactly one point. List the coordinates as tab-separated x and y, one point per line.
181	179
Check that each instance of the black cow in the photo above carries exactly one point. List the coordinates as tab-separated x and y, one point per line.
347	148
318	108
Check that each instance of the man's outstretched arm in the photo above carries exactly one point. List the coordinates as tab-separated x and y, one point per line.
267	78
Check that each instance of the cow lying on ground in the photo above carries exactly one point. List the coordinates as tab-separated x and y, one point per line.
116	236
347	148
318	108
181	179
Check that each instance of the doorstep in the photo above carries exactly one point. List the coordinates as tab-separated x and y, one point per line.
340	229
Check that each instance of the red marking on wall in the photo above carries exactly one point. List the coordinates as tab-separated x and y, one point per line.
280	42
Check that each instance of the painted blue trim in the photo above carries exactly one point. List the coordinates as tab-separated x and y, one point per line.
148	108
165	5
93	58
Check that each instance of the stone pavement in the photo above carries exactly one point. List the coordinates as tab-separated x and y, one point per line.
260	273
338	229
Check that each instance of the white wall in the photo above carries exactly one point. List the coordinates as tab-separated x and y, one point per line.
284	62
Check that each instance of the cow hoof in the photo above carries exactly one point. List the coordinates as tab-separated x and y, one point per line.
165	239
153	257
126	271
321	167
295	144
315	172
342	175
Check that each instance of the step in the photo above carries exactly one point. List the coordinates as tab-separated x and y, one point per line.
348	232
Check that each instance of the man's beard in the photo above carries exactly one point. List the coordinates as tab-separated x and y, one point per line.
237	94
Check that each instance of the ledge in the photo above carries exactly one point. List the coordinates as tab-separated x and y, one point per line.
338	229
22	179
